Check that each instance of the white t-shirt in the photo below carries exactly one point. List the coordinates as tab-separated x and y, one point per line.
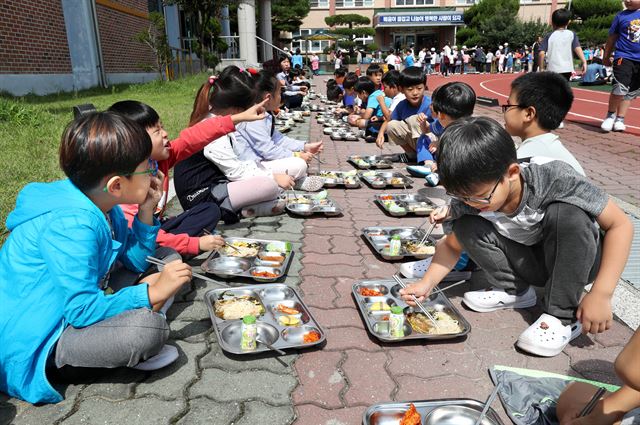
558	47
396	99
391	59
547	147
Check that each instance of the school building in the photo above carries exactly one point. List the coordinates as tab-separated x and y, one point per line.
400	23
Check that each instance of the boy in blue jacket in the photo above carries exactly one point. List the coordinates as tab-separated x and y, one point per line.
66	237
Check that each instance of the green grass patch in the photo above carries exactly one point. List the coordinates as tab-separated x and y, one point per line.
605	88
31	127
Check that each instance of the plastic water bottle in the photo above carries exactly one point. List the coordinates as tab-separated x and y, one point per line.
395	245
396	322
249	333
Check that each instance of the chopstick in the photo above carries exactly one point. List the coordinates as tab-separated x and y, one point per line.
426	235
487	404
236	249
159	262
449	287
592	403
420	306
271	347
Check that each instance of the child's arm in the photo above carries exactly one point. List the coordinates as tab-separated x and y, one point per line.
257	135
386	112
380	139
579	53
608	49
594	311
628	362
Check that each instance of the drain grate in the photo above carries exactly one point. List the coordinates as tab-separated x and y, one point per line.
631	272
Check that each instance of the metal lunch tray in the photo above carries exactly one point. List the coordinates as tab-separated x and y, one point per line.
326	206
453	411
228	332
339	179
380	237
226	266
370	161
375	319
382	179
407	203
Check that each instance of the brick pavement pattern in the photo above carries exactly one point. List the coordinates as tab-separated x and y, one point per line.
334	385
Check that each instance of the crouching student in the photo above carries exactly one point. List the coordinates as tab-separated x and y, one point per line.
372	117
184	231
527	225
66	239
390	81
621	405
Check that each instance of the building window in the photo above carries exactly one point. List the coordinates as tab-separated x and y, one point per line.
467	2
354	3
319	4
414	2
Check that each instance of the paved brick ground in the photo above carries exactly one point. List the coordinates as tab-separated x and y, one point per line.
335	384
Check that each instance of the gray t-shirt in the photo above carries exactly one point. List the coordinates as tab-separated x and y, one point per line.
558	47
555	181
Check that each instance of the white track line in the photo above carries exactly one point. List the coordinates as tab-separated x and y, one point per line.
570	113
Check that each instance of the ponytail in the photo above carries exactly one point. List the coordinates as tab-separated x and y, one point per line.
201	103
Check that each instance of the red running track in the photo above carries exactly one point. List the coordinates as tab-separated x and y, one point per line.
589	106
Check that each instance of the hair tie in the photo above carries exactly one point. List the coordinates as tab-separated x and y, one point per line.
252	71
212	79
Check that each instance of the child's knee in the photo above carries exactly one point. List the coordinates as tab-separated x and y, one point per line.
562	217
146	331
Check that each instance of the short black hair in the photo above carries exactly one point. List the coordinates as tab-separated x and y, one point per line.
350	80
391	78
560	17
549	93
340	72
138	112
455	99
101	144
333	92
473	151
596	60
412	76
365	85
374	68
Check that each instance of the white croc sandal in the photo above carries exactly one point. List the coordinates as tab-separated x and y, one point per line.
547	337
497	299
167	355
417	269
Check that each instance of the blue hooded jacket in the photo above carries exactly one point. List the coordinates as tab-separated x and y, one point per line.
59	249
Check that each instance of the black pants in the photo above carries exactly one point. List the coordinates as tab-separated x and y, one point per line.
479	66
567	258
292	101
192	222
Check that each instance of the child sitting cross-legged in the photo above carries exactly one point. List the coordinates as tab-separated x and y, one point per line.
372	117
184	231
527	225
68	240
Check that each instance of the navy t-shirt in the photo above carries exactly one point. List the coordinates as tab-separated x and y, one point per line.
628	44
404	110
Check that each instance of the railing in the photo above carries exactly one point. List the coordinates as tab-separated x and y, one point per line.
233	50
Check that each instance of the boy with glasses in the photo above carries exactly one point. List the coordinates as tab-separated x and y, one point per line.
527	225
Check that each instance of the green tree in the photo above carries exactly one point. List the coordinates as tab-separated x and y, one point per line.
287	15
592	19
155	37
355	26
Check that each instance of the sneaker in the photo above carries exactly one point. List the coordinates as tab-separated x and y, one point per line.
547	337
417	269
619	126
167	355
310	184
607	124
497	299
561	124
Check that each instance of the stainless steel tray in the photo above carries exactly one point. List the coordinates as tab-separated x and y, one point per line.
380	237
401	204
228	332
382	179
225	263
377	320
326	206
365	162
349	180
457	411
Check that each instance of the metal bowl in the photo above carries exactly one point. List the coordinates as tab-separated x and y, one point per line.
378	183
228	266
232	335
277	293
327	130
329	182
351	184
455	415
395	292
381	328
300	209
296	335
405	234
274	270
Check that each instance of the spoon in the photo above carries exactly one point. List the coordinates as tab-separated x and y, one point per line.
271	347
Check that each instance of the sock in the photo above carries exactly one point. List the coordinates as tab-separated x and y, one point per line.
619	119
611	114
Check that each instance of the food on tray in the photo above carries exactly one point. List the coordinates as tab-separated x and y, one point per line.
351	173
446	324
272	256
411	416
320	195
286	310
311	336
392	206
396	180
289	321
237	307
243	249
282	247
424	249
300	200
420	207
386	197
361	163
264	274
373	234
380	306
350	180
368	292
329	175
369	174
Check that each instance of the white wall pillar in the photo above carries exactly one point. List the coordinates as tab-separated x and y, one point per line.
266	29
247	31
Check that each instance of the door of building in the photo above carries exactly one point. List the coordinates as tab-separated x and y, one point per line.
427	40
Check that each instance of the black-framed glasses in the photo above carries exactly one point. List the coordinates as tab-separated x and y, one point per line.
506	107
152	170
473	200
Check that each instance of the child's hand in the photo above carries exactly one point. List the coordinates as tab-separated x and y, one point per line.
256	112
424	124
173	276
418	289
210	242
594	312
285	181
373	119
439	214
306	156
314	148
380	140
148	206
